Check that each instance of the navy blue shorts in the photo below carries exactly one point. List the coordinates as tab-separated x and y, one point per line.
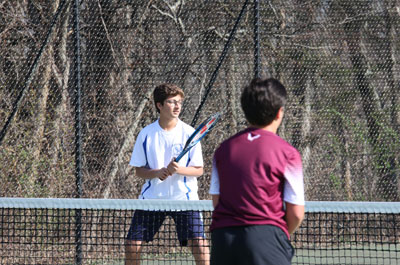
145	224
251	245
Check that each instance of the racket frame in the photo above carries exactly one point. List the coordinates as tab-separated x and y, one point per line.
202	130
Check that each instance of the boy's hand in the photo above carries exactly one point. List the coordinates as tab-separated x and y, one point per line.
163	173
173	166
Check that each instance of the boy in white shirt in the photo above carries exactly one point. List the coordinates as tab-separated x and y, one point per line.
153	158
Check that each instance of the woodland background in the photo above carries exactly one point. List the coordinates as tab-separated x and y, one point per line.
339	60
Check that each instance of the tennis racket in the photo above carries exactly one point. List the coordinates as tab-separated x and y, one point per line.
199	133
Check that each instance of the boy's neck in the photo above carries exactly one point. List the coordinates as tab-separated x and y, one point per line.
167	124
270	127
274	125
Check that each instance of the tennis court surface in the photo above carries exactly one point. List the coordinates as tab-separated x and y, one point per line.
93	231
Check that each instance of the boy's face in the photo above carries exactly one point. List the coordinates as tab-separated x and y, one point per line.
171	108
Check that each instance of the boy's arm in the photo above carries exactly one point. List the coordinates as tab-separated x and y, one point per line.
190	171
175	168
294	216
214	185
215	199
146	173
294	191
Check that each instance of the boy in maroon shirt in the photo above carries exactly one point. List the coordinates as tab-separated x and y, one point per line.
256	185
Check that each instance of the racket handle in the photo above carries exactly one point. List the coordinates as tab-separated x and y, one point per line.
178	158
181	155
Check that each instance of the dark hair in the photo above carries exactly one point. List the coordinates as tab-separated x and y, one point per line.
262	99
164	91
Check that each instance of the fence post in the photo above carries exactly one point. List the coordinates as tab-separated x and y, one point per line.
256	39
78	131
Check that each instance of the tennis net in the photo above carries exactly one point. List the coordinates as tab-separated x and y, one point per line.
93	231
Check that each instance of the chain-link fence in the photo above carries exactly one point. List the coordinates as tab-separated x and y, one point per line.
76	79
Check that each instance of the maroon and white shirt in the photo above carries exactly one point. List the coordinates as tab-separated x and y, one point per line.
254	172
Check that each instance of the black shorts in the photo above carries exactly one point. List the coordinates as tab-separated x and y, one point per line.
145	224
251	245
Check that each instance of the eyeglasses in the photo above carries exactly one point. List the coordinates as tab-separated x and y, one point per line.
174	102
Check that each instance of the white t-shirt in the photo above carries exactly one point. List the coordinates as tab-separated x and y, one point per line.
155	148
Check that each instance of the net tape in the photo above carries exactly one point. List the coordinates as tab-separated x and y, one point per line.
174	205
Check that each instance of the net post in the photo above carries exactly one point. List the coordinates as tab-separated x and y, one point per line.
78	132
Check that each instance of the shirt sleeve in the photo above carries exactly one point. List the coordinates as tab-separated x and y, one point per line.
214	185
294	184
138	157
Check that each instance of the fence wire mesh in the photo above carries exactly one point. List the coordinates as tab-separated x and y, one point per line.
338	59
